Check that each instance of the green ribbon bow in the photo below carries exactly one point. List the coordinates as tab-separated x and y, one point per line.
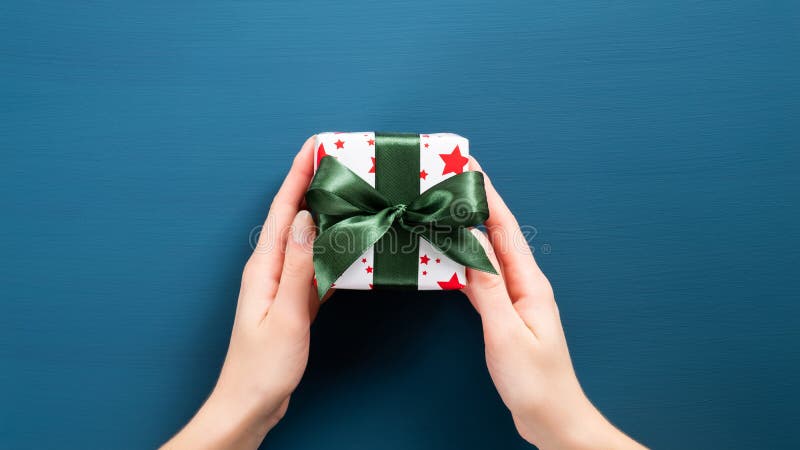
354	215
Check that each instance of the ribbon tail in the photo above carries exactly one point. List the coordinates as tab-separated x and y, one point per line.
338	247
461	246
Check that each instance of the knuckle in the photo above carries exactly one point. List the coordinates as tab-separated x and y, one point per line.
249	270
278	206
543	290
281	412
293	265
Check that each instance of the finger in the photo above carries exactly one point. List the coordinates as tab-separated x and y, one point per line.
267	258
509	243
293	302
487	292
315	303
529	288
540	313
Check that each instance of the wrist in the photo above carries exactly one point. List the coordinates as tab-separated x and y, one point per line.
228	421
587	429
578	426
224	422
238	411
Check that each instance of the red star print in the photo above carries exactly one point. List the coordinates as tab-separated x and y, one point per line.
451	284
424	272
371	142
333	284
369	269
426	145
372	170
423	174
370	285
339	144
364	260
438	260
320	154
454	162
424	259
425	135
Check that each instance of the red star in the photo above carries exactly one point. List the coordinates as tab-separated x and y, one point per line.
426	145
339	144
371	142
423	174
333	284
320	154
370	285
424	259
424	272
454	162
425	135
364	260
372	170
369	269
438	260
451	284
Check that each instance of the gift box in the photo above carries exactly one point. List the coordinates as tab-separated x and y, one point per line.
394	211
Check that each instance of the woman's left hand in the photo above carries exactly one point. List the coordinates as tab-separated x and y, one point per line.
269	344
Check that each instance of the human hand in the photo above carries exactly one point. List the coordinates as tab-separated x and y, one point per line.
269	345
526	350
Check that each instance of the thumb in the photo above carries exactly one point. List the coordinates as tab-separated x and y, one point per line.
487	292
293	298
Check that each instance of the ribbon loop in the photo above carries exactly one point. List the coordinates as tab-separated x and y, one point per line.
357	216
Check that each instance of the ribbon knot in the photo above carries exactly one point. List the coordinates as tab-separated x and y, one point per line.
353	216
399	213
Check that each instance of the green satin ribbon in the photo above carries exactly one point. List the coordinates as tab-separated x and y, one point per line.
354	216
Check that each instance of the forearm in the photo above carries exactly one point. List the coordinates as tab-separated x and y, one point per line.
580	428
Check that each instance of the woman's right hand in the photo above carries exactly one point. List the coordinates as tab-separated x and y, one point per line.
526	350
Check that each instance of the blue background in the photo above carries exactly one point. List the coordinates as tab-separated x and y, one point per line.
654	146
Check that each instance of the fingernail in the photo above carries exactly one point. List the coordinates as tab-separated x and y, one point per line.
482	237
479	234
303	228
311	138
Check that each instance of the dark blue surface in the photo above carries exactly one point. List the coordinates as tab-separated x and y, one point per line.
653	146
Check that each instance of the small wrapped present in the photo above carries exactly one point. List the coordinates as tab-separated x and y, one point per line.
394	211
